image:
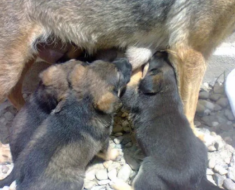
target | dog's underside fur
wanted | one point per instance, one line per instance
(191, 29)
(175, 158)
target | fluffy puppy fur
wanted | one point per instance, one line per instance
(60, 148)
(175, 158)
(52, 88)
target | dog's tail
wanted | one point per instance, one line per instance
(8, 180)
(207, 185)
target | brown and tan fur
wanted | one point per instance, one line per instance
(189, 29)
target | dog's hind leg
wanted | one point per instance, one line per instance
(190, 68)
(16, 96)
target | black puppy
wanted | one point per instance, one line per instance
(52, 88)
(59, 150)
(175, 158)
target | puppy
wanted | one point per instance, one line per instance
(52, 88)
(175, 158)
(60, 148)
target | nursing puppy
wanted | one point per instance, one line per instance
(59, 150)
(175, 158)
(52, 88)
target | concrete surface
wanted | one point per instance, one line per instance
(222, 60)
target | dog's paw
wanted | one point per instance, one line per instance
(5, 153)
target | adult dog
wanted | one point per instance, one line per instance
(191, 29)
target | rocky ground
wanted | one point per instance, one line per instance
(214, 119)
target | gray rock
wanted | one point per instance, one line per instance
(222, 102)
(206, 104)
(101, 174)
(219, 180)
(124, 172)
(98, 188)
(221, 170)
(212, 163)
(209, 178)
(209, 172)
(89, 184)
(104, 182)
(204, 95)
(118, 134)
(112, 174)
(215, 124)
(229, 115)
(211, 148)
(117, 129)
(219, 145)
(215, 97)
(132, 162)
(218, 89)
(217, 107)
(118, 140)
(229, 184)
(90, 175)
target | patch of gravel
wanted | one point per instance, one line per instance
(213, 118)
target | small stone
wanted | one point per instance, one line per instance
(229, 115)
(229, 184)
(117, 129)
(107, 164)
(125, 123)
(206, 104)
(197, 123)
(222, 102)
(215, 123)
(89, 184)
(219, 180)
(101, 175)
(215, 97)
(209, 178)
(104, 182)
(90, 175)
(112, 175)
(211, 148)
(115, 165)
(231, 173)
(204, 95)
(132, 162)
(98, 188)
(219, 145)
(118, 140)
(217, 107)
(209, 172)
(220, 170)
(127, 129)
(124, 173)
(218, 89)
(212, 163)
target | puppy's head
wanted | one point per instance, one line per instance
(102, 81)
(54, 80)
(160, 76)
(159, 80)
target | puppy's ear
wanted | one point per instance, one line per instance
(151, 84)
(52, 75)
(107, 103)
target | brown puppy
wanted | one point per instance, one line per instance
(191, 29)
(76, 130)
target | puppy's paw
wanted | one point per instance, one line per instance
(5, 153)
(119, 184)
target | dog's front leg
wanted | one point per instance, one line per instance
(190, 68)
